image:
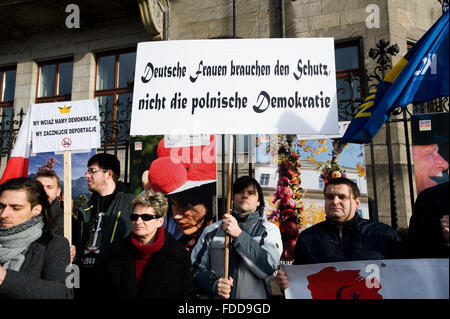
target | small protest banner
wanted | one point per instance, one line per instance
(65, 126)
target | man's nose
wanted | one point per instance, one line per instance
(4, 212)
(335, 199)
(441, 162)
(177, 214)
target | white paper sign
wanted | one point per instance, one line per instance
(171, 141)
(63, 126)
(371, 279)
(244, 86)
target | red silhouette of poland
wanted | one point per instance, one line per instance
(344, 284)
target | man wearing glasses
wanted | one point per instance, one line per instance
(101, 223)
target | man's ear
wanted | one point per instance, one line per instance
(36, 210)
(358, 202)
(110, 173)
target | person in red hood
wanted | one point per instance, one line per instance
(189, 181)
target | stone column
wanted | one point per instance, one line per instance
(26, 84)
(83, 79)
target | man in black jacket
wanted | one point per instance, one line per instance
(344, 236)
(52, 186)
(33, 259)
(104, 221)
(428, 227)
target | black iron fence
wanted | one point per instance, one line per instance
(347, 108)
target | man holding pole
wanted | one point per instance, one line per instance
(255, 248)
(104, 221)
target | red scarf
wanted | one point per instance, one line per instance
(144, 252)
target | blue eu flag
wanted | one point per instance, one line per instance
(421, 75)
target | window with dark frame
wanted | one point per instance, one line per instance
(54, 81)
(349, 77)
(114, 89)
(321, 183)
(7, 86)
(7, 90)
(264, 179)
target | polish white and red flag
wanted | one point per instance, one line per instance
(17, 165)
(371, 279)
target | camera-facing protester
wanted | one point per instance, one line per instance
(344, 235)
(150, 263)
(255, 248)
(33, 259)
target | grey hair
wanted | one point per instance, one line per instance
(155, 200)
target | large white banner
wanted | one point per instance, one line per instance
(372, 279)
(65, 126)
(245, 86)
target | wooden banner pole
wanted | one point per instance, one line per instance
(227, 237)
(68, 196)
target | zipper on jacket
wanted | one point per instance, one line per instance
(341, 244)
(82, 220)
(115, 226)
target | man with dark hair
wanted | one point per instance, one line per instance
(104, 221)
(344, 235)
(255, 248)
(52, 186)
(33, 259)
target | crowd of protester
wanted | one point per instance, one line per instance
(124, 250)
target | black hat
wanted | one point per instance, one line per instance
(203, 194)
(431, 129)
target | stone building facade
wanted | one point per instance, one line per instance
(34, 34)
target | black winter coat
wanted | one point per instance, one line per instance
(362, 239)
(425, 238)
(43, 273)
(58, 218)
(167, 274)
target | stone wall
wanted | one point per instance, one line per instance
(81, 44)
(207, 19)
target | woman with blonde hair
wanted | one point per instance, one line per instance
(150, 263)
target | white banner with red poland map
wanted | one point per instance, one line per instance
(371, 279)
